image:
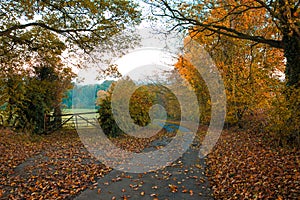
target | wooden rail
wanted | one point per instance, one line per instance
(50, 129)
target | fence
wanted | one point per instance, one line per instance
(73, 119)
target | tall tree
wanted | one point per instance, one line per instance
(250, 41)
(33, 36)
(279, 29)
(248, 68)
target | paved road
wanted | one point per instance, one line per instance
(185, 177)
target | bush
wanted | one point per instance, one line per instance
(139, 104)
(284, 117)
(106, 120)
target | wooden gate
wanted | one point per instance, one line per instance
(78, 119)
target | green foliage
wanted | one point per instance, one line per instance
(29, 94)
(13, 92)
(33, 36)
(83, 23)
(139, 104)
(106, 120)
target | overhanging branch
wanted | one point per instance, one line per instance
(194, 24)
(42, 25)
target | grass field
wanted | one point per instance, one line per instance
(78, 110)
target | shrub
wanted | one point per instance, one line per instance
(106, 120)
(284, 117)
(139, 104)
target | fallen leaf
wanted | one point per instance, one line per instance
(173, 188)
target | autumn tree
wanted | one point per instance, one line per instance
(193, 78)
(248, 41)
(247, 75)
(249, 70)
(279, 26)
(32, 90)
(33, 36)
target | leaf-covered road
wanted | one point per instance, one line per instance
(243, 165)
(58, 166)
(184, 179)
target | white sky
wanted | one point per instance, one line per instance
(146, 60)
(139, 64)
(143, 57)
(156, 53)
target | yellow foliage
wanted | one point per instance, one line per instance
(194, 80)
(284, 117)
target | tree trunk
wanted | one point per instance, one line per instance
(57, 116)
(292, 73)
(292, 54)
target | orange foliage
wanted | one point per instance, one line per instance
(248, 69)
(193, 79)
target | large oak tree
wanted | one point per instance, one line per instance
(281, 23)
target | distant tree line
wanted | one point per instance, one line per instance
(84, 96)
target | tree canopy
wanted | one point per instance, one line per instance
(33, 36)
(275, 23)
(82, 22)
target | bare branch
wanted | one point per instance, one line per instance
(43, 25)
(194, 24)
